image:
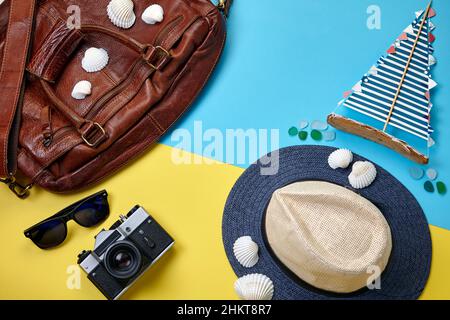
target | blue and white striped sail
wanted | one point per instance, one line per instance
(374, 95)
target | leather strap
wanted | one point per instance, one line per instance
(12, 74)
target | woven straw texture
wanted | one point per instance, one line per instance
(408, 267)
(327, 235)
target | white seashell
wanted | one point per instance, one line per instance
(121, 13)
(95, 59)
(363, 174)
(340, 159)
(254, 287)
(81, 90)
(246, 251)
(153, 14)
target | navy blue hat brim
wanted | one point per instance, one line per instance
(409, 264)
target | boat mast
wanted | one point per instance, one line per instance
(394, 102)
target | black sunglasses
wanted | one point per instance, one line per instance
(87, 212)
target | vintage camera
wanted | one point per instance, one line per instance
(124, 252)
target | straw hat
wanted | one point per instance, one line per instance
(318, 238)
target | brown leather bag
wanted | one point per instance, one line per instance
(154, 74)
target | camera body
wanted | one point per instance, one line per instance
(125, 252)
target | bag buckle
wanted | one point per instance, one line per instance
(94, 134)
(21, 191)
(224, 7)
(221, 5)
(156, 57)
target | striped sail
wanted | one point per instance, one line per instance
(382, 89)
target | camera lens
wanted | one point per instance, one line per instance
(123, 260)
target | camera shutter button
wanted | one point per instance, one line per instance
(150, 242)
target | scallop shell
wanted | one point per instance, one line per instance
(95, 59)
(246, 251)
(153, 14)
(340, 159)
(363, 174)
(81, 90)
(121, 13)
(254, 287)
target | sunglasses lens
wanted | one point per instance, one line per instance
(92, 212)
(49, 234)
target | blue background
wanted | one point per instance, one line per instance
(290, 60)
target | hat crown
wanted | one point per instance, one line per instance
(327, 235)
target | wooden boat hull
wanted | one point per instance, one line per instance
(378, 136)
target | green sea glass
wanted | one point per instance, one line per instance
(293, 131)
(441, 187)
(303, 135)
(428, 186)
(316, 135)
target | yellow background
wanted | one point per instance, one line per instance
(187, 200)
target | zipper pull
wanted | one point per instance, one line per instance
(47, 130)
(21, 191)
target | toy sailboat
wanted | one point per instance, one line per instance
(392, 100)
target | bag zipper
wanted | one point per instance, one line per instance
(60, 133)
(106, 98)
(57, 135)
(144, 149)
(111, 94)
(167, 29)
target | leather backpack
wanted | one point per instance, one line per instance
(154, 73)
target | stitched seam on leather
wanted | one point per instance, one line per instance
(53, 156)
(143, 147)
(48, 9)
(168, 42)
(75, 140)
(5, 54)
(103, 71)
(181, 74)
(7, 42)
(114, 87)
(43, 51)
(24, 153)
(156, 123)
(56, 56)
(59, 19)
(103, 117)
(169, 35)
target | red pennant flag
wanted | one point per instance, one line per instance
(431, 38)
(403, 36)
(427, 95)
(347, 93)
(391, 50)
(432, 13)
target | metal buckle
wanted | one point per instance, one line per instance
(221, 5)
(90, 134)
(158, 52)
(21, 191)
